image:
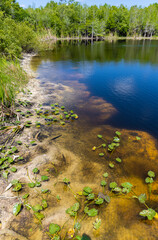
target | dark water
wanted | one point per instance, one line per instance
(124, 73)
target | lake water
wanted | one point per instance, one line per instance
(111, 86)
(123, 73)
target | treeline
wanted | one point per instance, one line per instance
(71, 19)
(20, 28)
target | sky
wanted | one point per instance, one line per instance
(128, 3)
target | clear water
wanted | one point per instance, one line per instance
(124, 73)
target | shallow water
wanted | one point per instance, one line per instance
(112, 86)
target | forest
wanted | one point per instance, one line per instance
(20, 28)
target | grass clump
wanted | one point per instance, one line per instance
(12, 79)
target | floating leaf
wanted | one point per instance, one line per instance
(127, 185)
(151, 174)
(97, 224)
(101, 154)
(37, 208)
(5, 174)
(17, 208)
(54, 228)
(142, 198)
(44, 190)
(111, 165)
(99, 201)
(13, 169)
(138, 138)
(103, 183)
(118, 133)
(73, 209)
(87, 191)
(150, 213)
(118, 160)
(103, 145)
(93, 212)
(17, 187)
(149, 180)
(39, 215)
(99, 136)
(77, 226)
(35, 170)
(58, 197)
(116, 139)
(31, 185)
(37, 184)
(105, 175)
(117, 189)
(44, 178)
(25, 196)
(91, 196)
(19, 142)
(66, 181)
(113, 185)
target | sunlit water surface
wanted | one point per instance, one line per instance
(111, 85)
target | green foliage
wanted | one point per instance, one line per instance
(12, 79)
(17, 208)
(54, 228)
(97, 224)
(150, 213)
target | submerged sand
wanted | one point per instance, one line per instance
(71, 156)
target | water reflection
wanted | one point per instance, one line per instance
(123, 73)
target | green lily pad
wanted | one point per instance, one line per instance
(138, 138)
(31, 185)
(91, 196)
(105, 175)
(151, 174)
(44, 190)
(149, 180)
(142, 198)
(113, 185)
(17, 187)
(99, 201)
(54, 228)
(77, 226)
(13, 169)
(35, 170)
(103, 183)
(17, 208)
(25, 196)
(87, 191)
(44, 203)
(118, 160)
(99, 136)
(39, 215)
(97, 224)
(150, 213)
(66, 181)
(5, 174)
(37, 208)
(44, 178)
(101, 154)
(111, 165)
(118, 133)
(92, 212)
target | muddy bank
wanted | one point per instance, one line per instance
(65, 151)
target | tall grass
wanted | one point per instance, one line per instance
(12, 80)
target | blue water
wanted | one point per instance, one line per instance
(124, 74)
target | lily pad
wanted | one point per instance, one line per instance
(111, 165)
(17, 208)
(87, 191)
(99, 201)
(31, 185)
(91, 196)
(99, 136)
(105, 175)
(142, 198)
(118, 160)
(44, 178)
(113, 185)
(37, 208)
(101, 154)
(25, 196)
(118, 133)
(13, 169)
(77, 226)
(92, 212)
(44, 203)
(39, 215)
(150, 213)
(35, 170)
(151, 174)
(149, 180)
(54, 228)
(66, 181)
(17, 187)
(97, 224)
(103, 183)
